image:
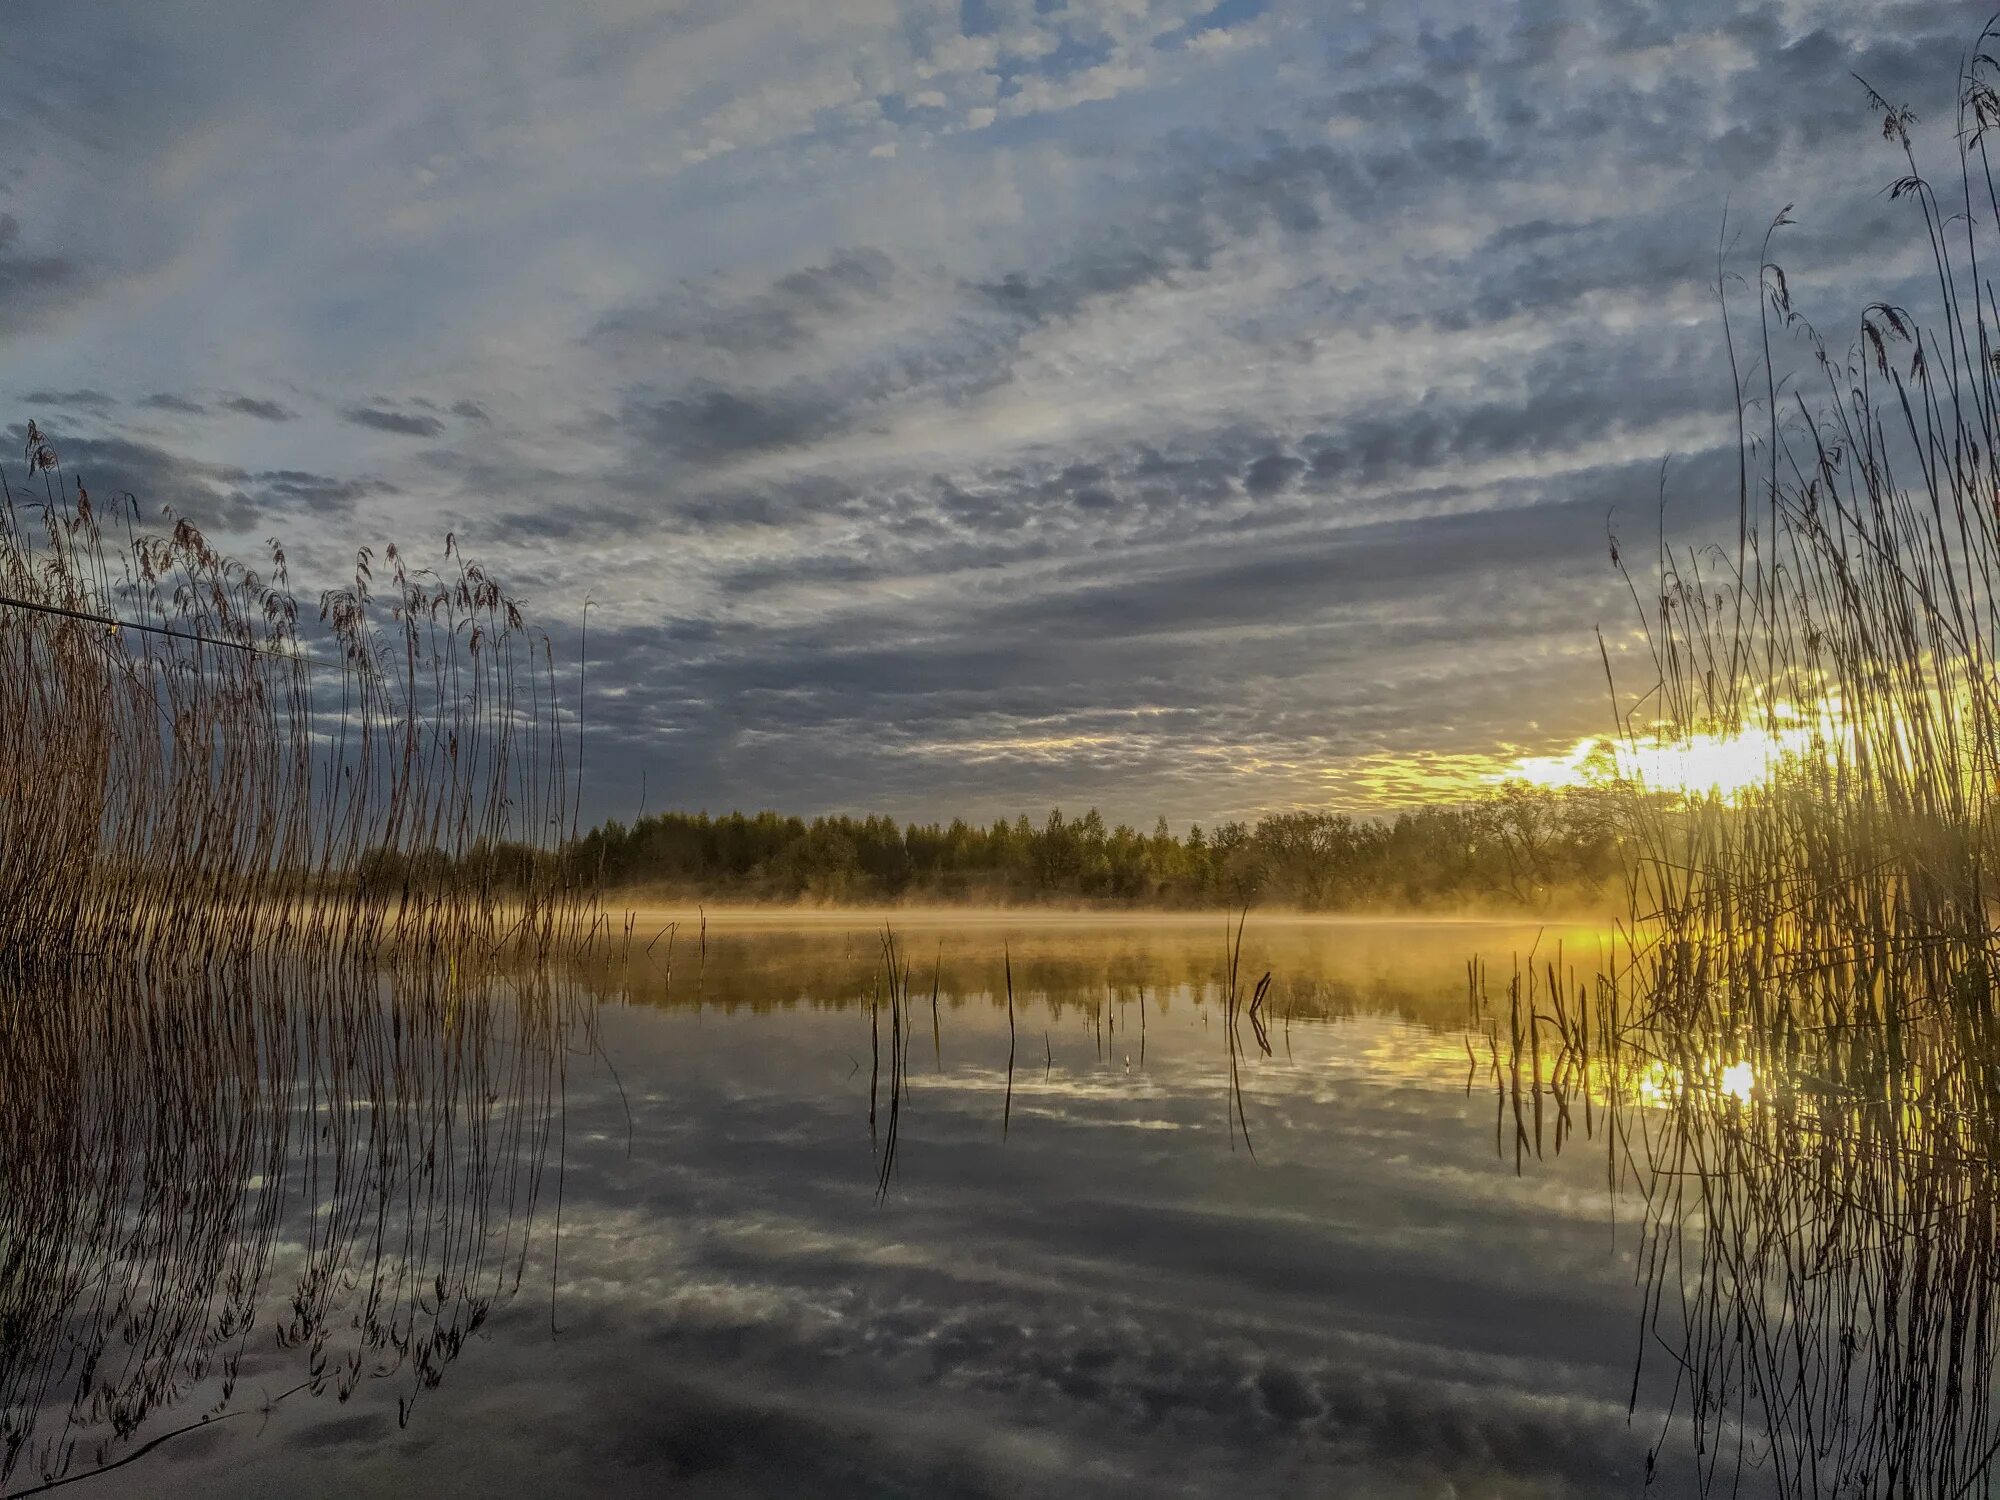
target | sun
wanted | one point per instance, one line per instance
(1723, 765)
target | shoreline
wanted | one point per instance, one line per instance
(775, 915)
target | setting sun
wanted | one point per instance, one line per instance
(1723, 765)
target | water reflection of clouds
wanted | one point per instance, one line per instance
(1108, 1302)
(1305, 1324)
(1149, 1390)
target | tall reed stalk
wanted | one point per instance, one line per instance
(207, 774)
(1799, 1035)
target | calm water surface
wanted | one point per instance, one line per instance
(1080, 1280)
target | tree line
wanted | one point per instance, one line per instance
(1519, 844)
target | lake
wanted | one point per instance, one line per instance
(742, 1211)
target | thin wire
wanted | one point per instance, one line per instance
(180, 635)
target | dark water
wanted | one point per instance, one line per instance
(624, 1232)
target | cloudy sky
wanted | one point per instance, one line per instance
(1174, 406)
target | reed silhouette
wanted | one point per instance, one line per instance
(1793, 1050)
(277, 904)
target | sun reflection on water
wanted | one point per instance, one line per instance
(1660, 1082)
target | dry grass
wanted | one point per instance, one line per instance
(262, 884)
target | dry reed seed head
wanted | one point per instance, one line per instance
(312, 817)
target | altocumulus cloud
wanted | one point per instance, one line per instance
(1175, 405)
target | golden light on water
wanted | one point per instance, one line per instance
(1660, 1082)
(1738, 1081)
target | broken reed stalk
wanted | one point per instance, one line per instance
(937, 1030)
(1233, 1109)
(1007, 1108)
(897, 978)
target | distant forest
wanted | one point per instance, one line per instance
(1519, 845)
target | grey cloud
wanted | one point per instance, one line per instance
(1149, 241)
(1246, 537)
(1072, 653)
(167, 401)
(222, 497)
(264, 411)
(154, 476)
(785, 316)
(383, 419)
(1272, 474)
(1274, 566)
(83, 400)
(1563, 406)
(317, 492)
(1212, 195)
(1100, 271)
(30, 283)
(715, 424)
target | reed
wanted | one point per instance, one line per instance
(896, 980)
(1232, 1013)
(1793, 1051)
(189, 769)
(1855, 621)
(196, 1159)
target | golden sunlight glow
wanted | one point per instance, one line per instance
(1722, 765)
(1659, 1082)
(1656, 1083)
(1738, 1081)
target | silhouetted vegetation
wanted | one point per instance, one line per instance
(1521, 844)
(1797, 1048)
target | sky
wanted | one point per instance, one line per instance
(1181, 408)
